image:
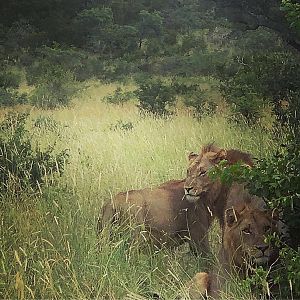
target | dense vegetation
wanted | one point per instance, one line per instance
(227, 71)
(71, 41)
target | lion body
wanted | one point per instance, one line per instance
(166, 214)
(246, 225)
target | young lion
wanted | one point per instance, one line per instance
(168, 217)
(246, 225)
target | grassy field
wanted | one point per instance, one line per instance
(48, 246)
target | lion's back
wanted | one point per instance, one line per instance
(157, 207)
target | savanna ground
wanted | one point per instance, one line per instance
(49, 248)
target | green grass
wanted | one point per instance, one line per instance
(49, 238)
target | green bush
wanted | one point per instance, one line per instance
(22, 35)
(200, 103)
(119, 96)
(155, 96)
(191, 43)
(9, 97)
(254, 84)
(9, 79)
(90, 67)
(117, 70)
(244, 100)
(194, 96)
(55, 87)
(69, 59)
(21, 165)
(197, 63)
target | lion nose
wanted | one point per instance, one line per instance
(188, 189)
(262, 248)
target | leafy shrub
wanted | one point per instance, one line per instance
(183, 87)
(22, 35)
(244, 99)
(192, 42)
(258, 283)
(21, 166)
(155, 97)
(55, 87)
(10, 97)
(117, 70)
(194, 96)
(200, 102)
(88, 68)
(67, 58)
(255, 84)
(119, 96)
(9, 79)
(202, 63)
(288, 277)
(201, 105)
(70, 59)
(292, 11)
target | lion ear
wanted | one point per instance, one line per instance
(209, 148)
(231, 216)
(222, 154)
(192, 156)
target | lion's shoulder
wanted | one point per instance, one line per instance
(173, 185)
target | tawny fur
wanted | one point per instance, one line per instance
(243, 212)
(164, 211)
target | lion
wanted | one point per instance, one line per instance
(164, 212)
(200, 187)
(247, 223)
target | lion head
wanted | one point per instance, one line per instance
(197, 182)
(245, 235)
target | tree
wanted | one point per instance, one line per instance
(254, 85)
(92, 26)
(155, 96)
(251, 14)
(292, 11)
(150, 25)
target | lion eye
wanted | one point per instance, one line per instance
(246, 230)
